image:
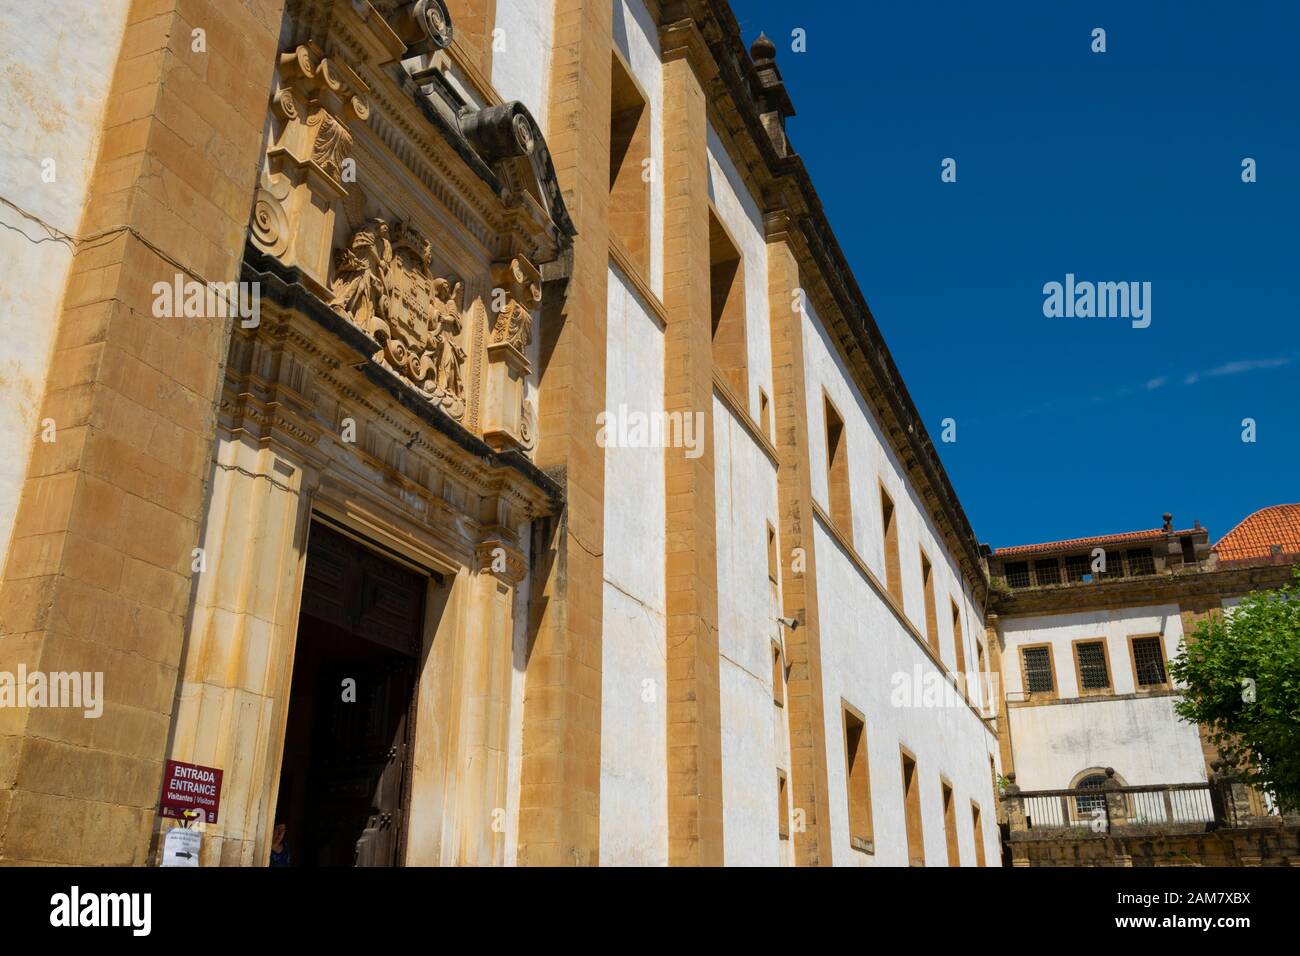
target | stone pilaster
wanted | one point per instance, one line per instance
(804, 696)
(482, 722)
(98, 577)
(559, 802)
(694, 705)
(233, 701)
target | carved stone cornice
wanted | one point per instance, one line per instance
(418, 119)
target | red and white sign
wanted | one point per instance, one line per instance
(187, 786)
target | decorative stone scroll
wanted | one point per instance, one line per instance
(307, 163)
(423, 25)
(508, 417)
(383, 284)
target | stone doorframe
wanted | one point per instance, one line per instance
(440, 503)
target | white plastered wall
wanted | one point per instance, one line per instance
(521, 69)
(867, 651)
(1141, 737)
(634, 670)
(755, 734)
(58, 64)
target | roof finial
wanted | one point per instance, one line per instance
(1169, 521)
(762, 50)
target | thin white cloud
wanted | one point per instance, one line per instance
(1237, 368)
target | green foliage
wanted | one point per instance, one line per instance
(1241, 674)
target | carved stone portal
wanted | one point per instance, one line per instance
(382, 283)
(508, 417)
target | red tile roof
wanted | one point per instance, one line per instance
(1254, 537)
(1070, 544)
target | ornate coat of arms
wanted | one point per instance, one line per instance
(382, 283)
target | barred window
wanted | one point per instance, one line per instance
(1141, 562)
(1090, 807)
(1038, 670)
(1018, 574)
(1047, 571)
(1148, 661)
(1114, 565)
(1077, 566)
(1093, 674)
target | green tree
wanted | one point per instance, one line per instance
(1241, 674)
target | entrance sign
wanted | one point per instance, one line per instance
(181, 847)
(188, 786)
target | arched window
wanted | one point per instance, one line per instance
(1088, 808)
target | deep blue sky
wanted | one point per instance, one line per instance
(1117, 166)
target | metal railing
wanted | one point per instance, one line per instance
(1100, 810)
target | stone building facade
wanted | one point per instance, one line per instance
(1085, 628)
(1100, 770)
(456, 422)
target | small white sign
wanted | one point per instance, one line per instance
(181, 847)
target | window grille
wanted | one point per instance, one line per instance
(1092, 666)
(1149, 661)
(1018, 574)
(1141, 562)
(1038, 670)
(1090, 807)
(1047, 571)
(1077, 566)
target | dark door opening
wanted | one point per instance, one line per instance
(344, 776)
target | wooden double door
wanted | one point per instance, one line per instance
(345, 777)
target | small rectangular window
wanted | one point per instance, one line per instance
(764, 415)
(912, 810)
(1149, 662)
(727, 295)
(959, 642)
(1093, 668)
(979, 833)
(1037, 662)
(1017, 573)
(837, 469)
(858, 781)
(950, 823)
(782, 806)
(778, 675)
(629, 147)
(931, 616)
(771, 554)
(889, 528)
